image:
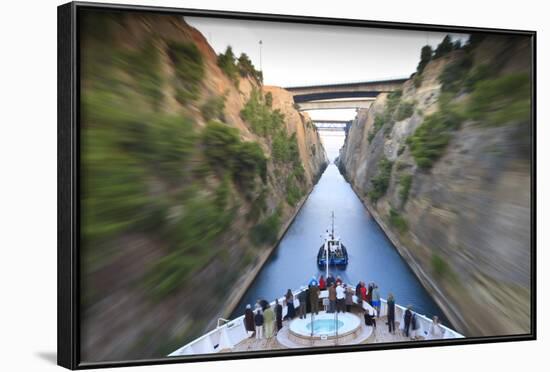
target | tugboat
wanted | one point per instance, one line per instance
(334, 249)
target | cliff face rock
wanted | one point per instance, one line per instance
(450, 183)
(185, 193)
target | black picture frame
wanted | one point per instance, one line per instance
(68, 319)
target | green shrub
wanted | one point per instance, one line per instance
(114, 191)
(284, 148)
(371, 136)
(430, 139)
(249, 162)
(189, 69)
(293, 191)
(213, 108)
(269, 99)
(502, 100)
(439, 266)
(405, 182)
(225, 151)
(397, 221)
(404, 110)
(226, 62)
(246, 68)
(392, 102)
(379, 121)
(425, 57)
(263, 121)
(381, 181)
(191, 239)
(258, 206)
(223, 192)
(267, 231)
(453, 75)
(220, 143)
(476, 74)
(171, 141)
(144, 64)
(444, 47)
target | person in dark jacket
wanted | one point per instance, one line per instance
(370, 319)
(259, 323)
(302, 297)
(358, 294)
(249, 320)
(278, 315)
(391, 313)
(369, 293)
(407, 318)
(330, 280)
(331, 299)
(314, 299)
(290, 310)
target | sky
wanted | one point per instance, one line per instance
(302, 54)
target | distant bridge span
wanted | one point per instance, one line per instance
(336, 104)
(345, 90)
(332, 125)
(333, 96)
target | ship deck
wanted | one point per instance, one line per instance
(380, 334)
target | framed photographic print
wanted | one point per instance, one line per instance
(235, 185)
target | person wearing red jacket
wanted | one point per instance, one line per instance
(363, 291)
(322, 283)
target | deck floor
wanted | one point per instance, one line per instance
(380, 334)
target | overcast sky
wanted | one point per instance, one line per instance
(301, 54)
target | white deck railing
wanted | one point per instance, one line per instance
(226, 336)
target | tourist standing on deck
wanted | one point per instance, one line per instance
(407, 320)
(314, 299)
(302, 297)
(376, 299)
(416, 327)
(436, 331)
(358, 294)
(331, 299)
(290, 311)
(363, 292)
(340, 298)
(369, 293)
(322, 283)
(313, 281)
(349, 298)
(259, 322)
(278, 315)
(249, 319)
(330, 280)
(269, 317)
(391, 313)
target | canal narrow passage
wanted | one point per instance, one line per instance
(372, 257)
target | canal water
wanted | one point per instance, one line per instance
(372, 257)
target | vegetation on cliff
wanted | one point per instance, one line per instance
(491, 100)
(456, 200)
(176, 185)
